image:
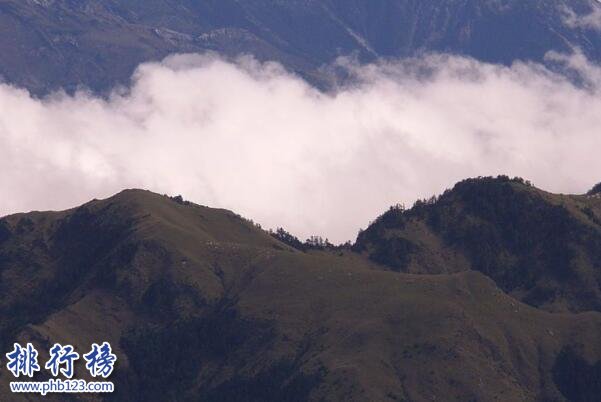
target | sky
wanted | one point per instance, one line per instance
(256, 139)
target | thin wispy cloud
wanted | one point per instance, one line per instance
(256, 139)
(590, 20)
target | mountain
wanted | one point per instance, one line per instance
(542, 248)
(201, 304)
(50, 44)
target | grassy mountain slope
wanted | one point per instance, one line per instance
(544, 249)
(202, 305)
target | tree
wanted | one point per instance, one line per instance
(595, 190)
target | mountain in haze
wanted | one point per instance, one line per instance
(50, 44)
(201, 304)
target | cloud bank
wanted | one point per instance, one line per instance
(256, 139)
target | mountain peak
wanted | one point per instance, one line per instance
(532, 243)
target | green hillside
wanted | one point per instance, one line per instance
(542, 248)
(200, 304)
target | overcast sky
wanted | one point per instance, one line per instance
(256, 139)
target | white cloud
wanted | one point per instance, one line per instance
(592, 20)
(253, 138)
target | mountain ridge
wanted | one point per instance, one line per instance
(533, 243)
(246, 317)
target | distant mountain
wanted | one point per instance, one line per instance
(199, 304)
(542, 248)
(49, 44)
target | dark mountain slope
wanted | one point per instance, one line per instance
(202, 305)
(544, 249)
(47, 44)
